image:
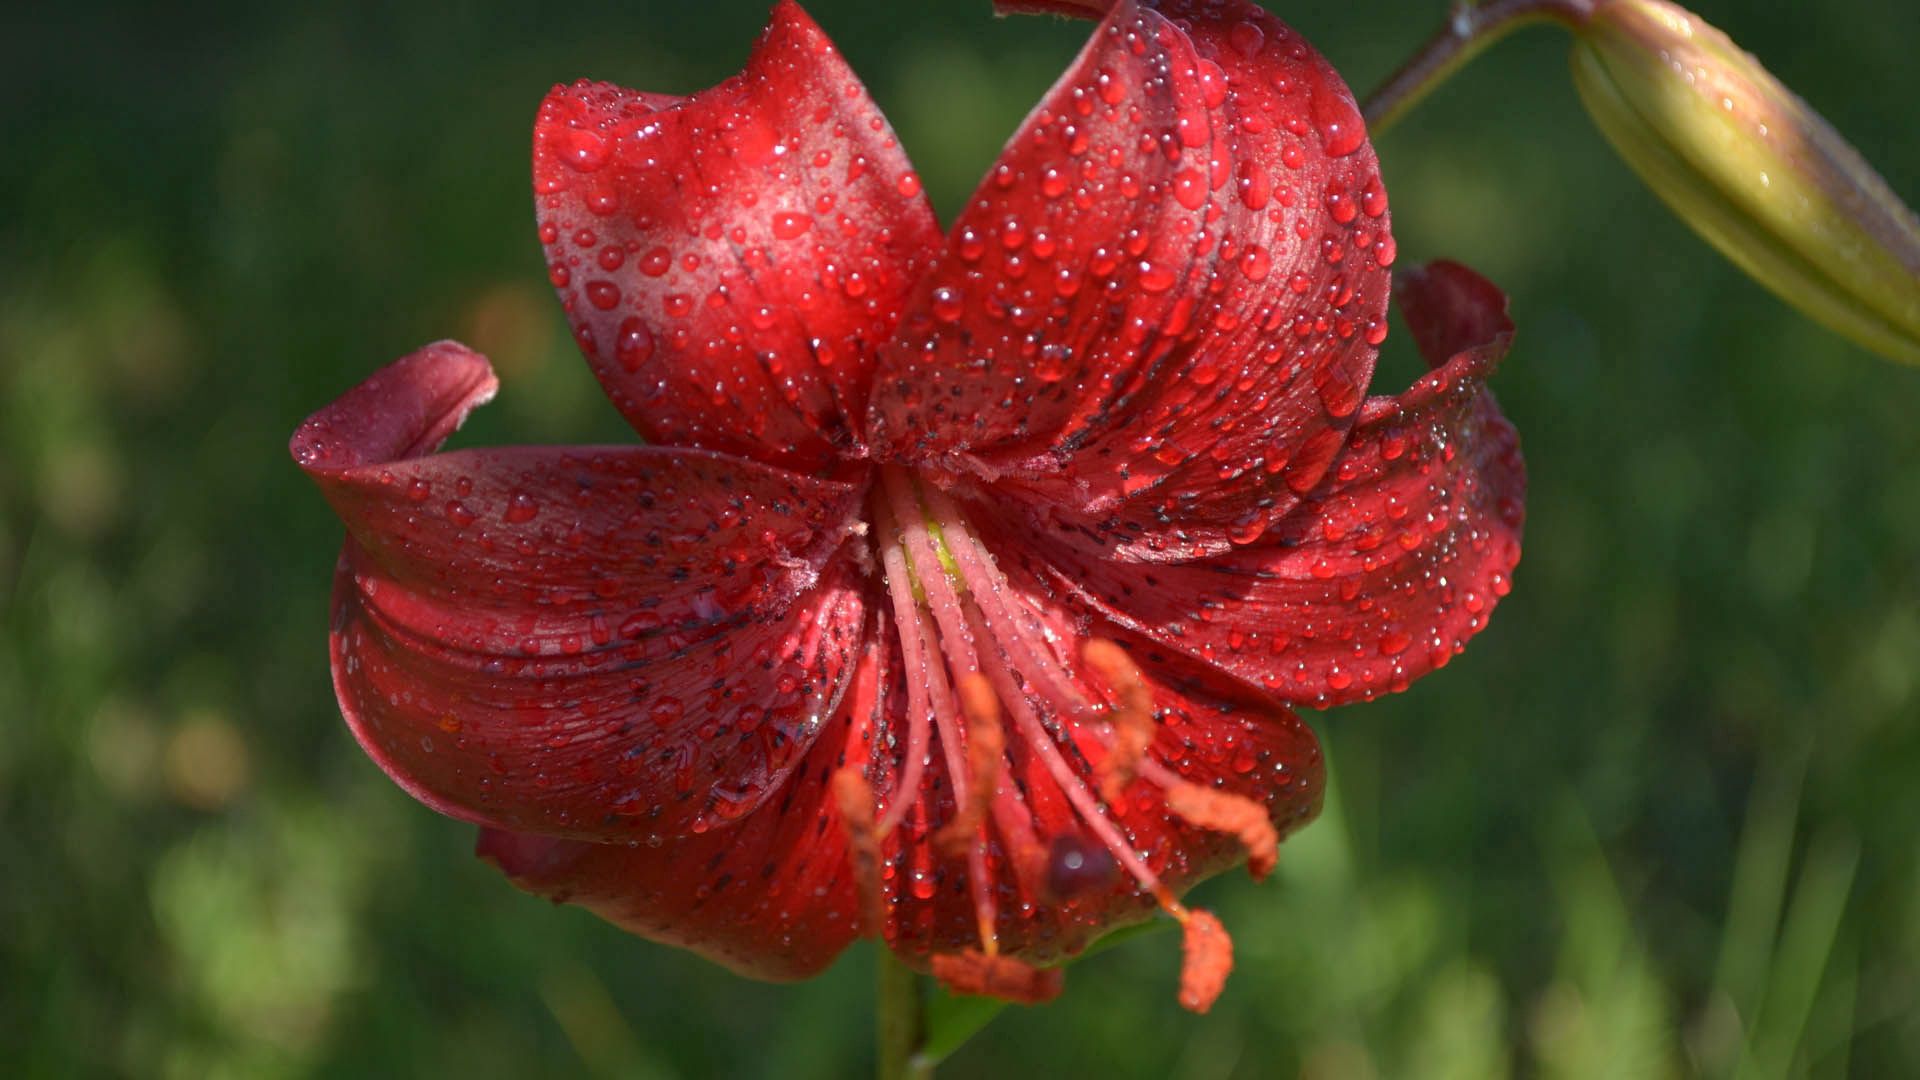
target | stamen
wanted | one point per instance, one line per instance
(1014, 821)
(913, 648)
(854, 797)
(986, 749)
(1003, 977)
(1236, 815)
(956, 646)
(959, 615)
(1001, 616)
(1078, 794)
(1206, 960)
(1132, 718)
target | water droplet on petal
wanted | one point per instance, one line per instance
(635, 344)
(1247, 39)
(1190, 188)
(1155, 278)
(1338, 121)
(604, 295)
(787, 225)
(947, 303)
(586, 151)
(521, 509)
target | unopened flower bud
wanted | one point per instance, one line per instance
(1753, 169)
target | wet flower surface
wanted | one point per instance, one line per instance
(963, 585)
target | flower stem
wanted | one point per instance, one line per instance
(1469, 30)
(900, 1018)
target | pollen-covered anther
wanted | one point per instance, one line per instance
(972, 972)
(1236, 815)
(986, 748)
(1206, 960)
(853, 795)
(1131, 715)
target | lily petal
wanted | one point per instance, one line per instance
(1165, 301)
(730, 260)
(599, 643)
(1388, 566)
(773, 897)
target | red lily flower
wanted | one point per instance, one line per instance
(963, 585)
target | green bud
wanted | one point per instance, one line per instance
(1753, 169)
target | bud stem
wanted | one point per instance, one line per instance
(1468, 31)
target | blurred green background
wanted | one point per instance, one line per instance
(1660, 819)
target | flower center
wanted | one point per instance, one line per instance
(988, 675)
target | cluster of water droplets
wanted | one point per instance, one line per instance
(1380, 575)
(1177, 273)
(730, 261)
(577, 624)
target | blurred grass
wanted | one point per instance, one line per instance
(1660, 819)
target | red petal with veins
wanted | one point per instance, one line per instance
(772, 897)
(730, 260)
(1388, 566)
(1161, 309)
(601, 643)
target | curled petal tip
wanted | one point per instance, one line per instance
(406, 409)
(1753, 169)
(1451, 309)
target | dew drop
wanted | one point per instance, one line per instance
(972, 245)
(521, 509)
(1247, 39)
(586, 151)
(1340, 206)
(1373, 198)
(947, 303)
(1338, 121)
(1051, 366)
(604, 295)
(1213, 84)
(634, 346)
(1190, 188)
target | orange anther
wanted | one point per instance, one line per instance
(986, 745)
(854, 798)
(1236, 815)
(971, 972)
(1206, 960)
(1131, 716)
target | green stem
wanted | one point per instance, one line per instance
(900, 1018)
(1469, 30)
